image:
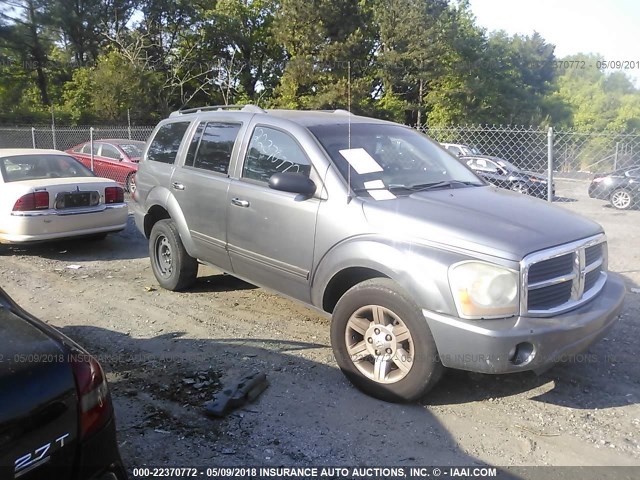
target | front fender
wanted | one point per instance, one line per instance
(420, 270)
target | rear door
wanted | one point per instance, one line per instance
(159, 159)
(271, 233)
(201, 184)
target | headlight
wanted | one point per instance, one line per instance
(484, 290)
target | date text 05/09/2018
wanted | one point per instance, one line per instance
(317, 472)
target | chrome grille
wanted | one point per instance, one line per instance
(564, 277)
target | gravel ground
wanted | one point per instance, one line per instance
(167, 353)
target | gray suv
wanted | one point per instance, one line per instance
(421, 264)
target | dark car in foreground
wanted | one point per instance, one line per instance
(621, 188)
(56, 416)
(115, 158)
(503, 174)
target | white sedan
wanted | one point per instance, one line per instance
(48, 194)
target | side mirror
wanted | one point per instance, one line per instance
(292, 182)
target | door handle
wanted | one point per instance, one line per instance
(239, 203)
(177, 186)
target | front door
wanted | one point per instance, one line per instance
(271, 233)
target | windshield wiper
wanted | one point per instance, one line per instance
(421, 187)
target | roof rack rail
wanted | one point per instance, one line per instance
(209, 108)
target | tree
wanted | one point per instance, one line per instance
(24, 34)
(241, 34)
(329, 47)
(598, 101)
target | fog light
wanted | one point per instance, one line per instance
(522, 354)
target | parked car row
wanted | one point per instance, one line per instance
(620, 187)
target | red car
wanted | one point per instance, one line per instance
(115, 158)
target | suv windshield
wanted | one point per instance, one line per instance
(390, 157)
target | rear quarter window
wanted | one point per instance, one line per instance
(165, 145)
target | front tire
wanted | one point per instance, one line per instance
(382, 342)
(621, 199)
(172, 266)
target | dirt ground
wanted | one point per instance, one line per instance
(167, 353)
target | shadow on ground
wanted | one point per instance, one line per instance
(306, 404)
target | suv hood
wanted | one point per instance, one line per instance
(480, 219)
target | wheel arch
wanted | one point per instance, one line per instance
(421, 273)
(343, 281)
(169, 209)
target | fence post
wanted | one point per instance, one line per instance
(129, 122)
(53, 128)
(615, 159)
(91, 145)
(33, 136)
(550, 164)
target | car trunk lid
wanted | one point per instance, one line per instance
(38, 405)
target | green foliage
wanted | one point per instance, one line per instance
(412, 61)
(598, 101)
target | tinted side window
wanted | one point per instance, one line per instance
(212, 145)
(272, 151)
(166, 143)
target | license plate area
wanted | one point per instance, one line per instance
(67, 200)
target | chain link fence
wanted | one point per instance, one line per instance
(514, 157)
(115, 148)
(64, 138)
(518, 158)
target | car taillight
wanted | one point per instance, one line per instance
(94, 401)
(32, 201)
(113, 195)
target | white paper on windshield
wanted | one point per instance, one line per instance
(381, 194)
(373, 184)
(360, 160)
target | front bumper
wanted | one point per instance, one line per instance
(487, 346)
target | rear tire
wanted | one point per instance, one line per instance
(172, 266)
(621, 199)
(382, 342)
